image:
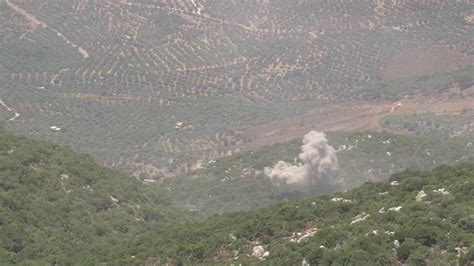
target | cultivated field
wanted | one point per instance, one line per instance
(157, 86)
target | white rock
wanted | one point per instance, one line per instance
(304, 263)
(359, 218)
(115, 200)
(461, 250)
(236, 254)
(297, 237)
(420, 195)
(307, 234)
(394, 183)
(396, 243)
(442, 191)
(396, 209)
(341, 199)
(259, 252)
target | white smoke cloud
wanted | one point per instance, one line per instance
(317, 157)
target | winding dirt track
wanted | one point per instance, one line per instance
(353, 116)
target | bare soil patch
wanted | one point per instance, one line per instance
(352, 116)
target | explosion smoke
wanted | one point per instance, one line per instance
(317, 157)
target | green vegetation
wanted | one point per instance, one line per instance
(426, 85)
(417, 232)
(237, 182)
(157, 87)
(58, 207)
(132, 135)
(428, 124)
(117, 85)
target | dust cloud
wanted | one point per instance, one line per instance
(317, 159)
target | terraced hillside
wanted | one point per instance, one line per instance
(156, 86)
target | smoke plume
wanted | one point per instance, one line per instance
(317, 159)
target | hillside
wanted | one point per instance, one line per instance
(417, 218)
(153, 87)
(238, 182)
(59, 207)
(200, 132)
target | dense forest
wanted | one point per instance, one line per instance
(59, 207)
(418, 218)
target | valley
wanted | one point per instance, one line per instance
(117, 77)
(256, 132)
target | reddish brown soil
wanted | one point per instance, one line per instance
(353, 116)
